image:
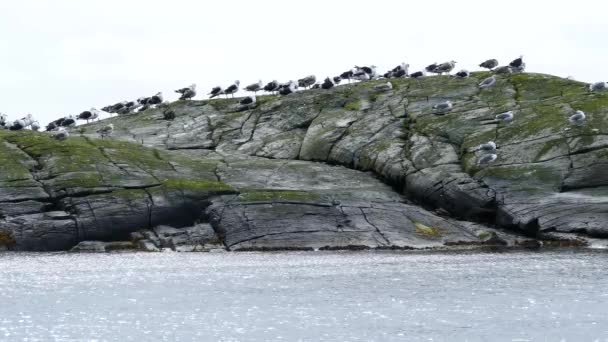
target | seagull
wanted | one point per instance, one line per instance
(347, 75)
(431, 68)
(399, 73)
(248, 101)
(233, 88)
(61, 134)
(401, 70)
(131, 106)
(17, 125)
(445, 67)
(272, 86)
(365, 73)
(216, 91)
(22, 123)
(598, 86)
(68, 121)
(578, 117)
(519, 69)
(106, 130)
(91, 114)
(489, 64)
(518, 62)
(384, 86)
(288, 88)
(154, 100)
(490, 146)
(506, 117)
(417, 74)
(462, 74)
(53, 125)
(255, 87)
(503, 70)
(488, 82)
(115, 107)
(307, 81)
(487, 159)
(362, 73)
(3, 119)
(187, 93)
(328, 83)
(443, 107)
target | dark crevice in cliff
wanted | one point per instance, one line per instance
(386, 240)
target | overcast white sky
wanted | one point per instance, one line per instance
(60, 57)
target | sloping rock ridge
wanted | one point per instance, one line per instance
(321, 169)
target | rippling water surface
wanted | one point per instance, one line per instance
(560, 296)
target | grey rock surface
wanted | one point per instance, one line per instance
(340, 168)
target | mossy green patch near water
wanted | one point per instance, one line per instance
(426, 231)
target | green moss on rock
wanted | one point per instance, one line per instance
(197, 185)
(353, 105)
(426, 231)
(278, 195)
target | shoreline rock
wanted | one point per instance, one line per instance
(321, 169)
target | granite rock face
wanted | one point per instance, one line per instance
(342, 168)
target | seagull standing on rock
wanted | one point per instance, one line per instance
(69, 121)
(328, 83)
(487, 159)
(445, 67)
(216, 91)
(384, 86)
(156, 99)
(462, 74)
(89, 115)
(3, 119)
(255, 87)
(578, 118)
(233, 88)
(187, 93)
(488, 82)
(490, 146)
(506, 117)
(307, 81)
(53, 125)
(271, 87)
(288, 88)
(401, 70)
(248, 100)
(505, 69)
(431, 68)
(347, 75)
(418, 74)
(489, 64)
(443, 107)
(365, 73)
(598, 86)
(517, 63)
(61, 134)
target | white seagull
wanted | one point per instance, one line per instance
(488, 82)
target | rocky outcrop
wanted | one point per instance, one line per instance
(344, 168)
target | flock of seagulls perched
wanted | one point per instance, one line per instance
(59, 127)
